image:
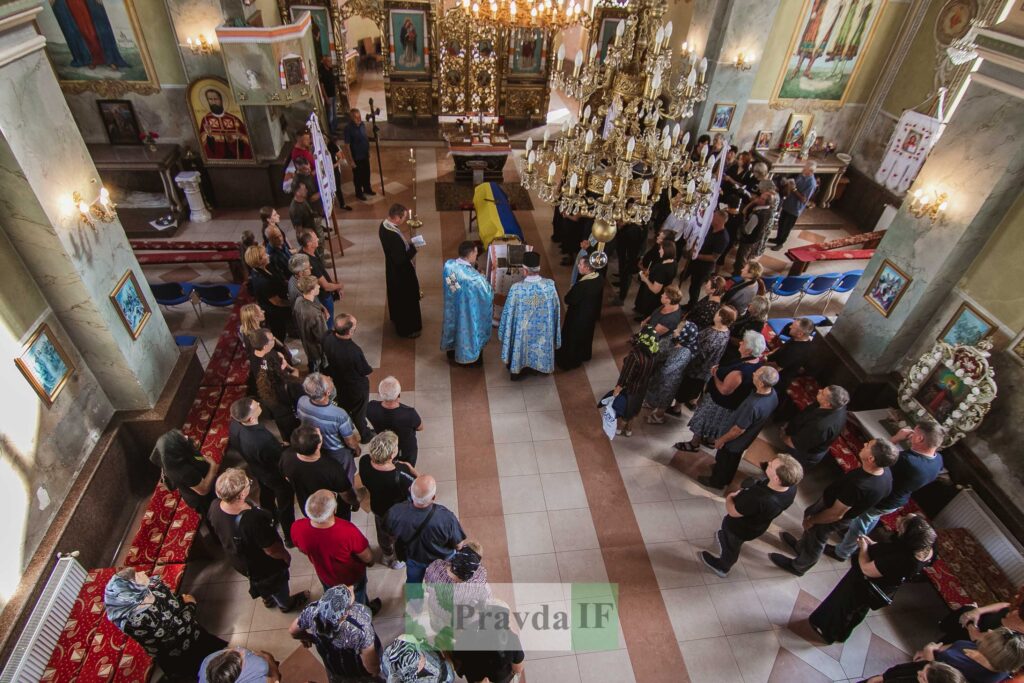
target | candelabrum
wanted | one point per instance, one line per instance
(624, 150)
(414, 222)
(550, 15)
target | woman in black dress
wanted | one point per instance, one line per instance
(655, 278)
(163, 623)
(877, 572)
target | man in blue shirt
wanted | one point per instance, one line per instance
(795, 203)
(916, 467)
(357, 146)
(317, 409)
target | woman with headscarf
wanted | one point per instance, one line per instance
(876, 573)
(636, 373)
(340, 629)
(410, 660)
(163, 623)
(490, 653)
(459, 580)
(665, 383)
(726, 390)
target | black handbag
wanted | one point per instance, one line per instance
(877, 596)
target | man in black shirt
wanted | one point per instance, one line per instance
(426, 530)
(750, 511)
(347, 366)
(919, 464)
(309, 246)
(702, 265)
(810, 433)
(262, 453)
(390, 414)
(248, 536)
(857, 491)
(791, 359)
(308, 472)
(752, 415)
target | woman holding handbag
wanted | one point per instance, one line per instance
(636, 373)
(878, 570)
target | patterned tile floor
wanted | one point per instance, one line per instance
(528, 469)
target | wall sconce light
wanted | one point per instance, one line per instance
(200, 45)
(928, 203)
(101, 209)
(741, 63)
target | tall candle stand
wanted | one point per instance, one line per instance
(414, 222)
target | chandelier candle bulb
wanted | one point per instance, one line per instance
(561, 53)
(586, 114)
(668, 34)
(691, 189)
(675, 134)
(529, 161)
(577, 64)
(659, 38)
(552, 169)
(593, 52)
(702, 69)
(630, 147)
(686, 137)
(666, 147)
(104, 197)
(620, 31)
(529, 144)
(573, 182)
(608, 185)
(691, 79)
(645, 190)
(588, 141)
(544, 145)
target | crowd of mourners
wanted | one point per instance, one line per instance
(332, 447)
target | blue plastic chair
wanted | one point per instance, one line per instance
(821, 284)
(171, 293)
(791, 285)
(187, 340)
(219, 296)
(846, 283)
(770, 281)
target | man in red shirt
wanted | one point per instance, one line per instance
(338, 550)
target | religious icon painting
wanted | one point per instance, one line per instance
(967, 327)
(887, 288)
(797, 128)
(1017, 345)
(826, 51)
(954, 21)
(942, 392)
(528, 54)
(130, 304)
(292, 71)
(323, 35)
(721, 117)
(219, 123)
(763, 141)
(119, 121)
(45, 364)
(408, 40)
(97, 45)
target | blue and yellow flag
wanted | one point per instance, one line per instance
(493, 214)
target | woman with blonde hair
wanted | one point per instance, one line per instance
(270, 290)
(388, 481)
(251, 318)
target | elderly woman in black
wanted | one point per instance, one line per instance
(163, 623)
(878, 570)
(636, 372)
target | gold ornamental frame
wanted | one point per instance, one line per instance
(47, 395)
(129, 276)
(107, 88)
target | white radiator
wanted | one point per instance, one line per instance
(36, 642)
(968, 512)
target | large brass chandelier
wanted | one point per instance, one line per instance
(613, 162)
(551, 15)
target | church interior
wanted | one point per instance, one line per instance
(760, 224)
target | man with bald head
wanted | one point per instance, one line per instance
(424, 531)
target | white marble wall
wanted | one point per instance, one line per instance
(42, 161)
(979, 162)
(165, 113)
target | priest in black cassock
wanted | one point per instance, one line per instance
(584, 301)
(400, 272)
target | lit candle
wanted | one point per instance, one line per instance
(552, 168)
(630, 146)
(686, 137)
(529, 144)
(577, 63)
(104, 197)
(703, 154)
(512, 8)
(656, 83)
(561, 50)
(675, 133)
(666, 131)
(668, 33)
(83, 208)
(702, 68)
(666, 146)
(593, 52)
(586, 113)
(529, 161)
(412, 153)
(645, 189)
(691, 79)
(686, 48)
(620, 31)
(659, 38)
(691, 189)
(588, 141)
(573, 182)
(545, 145)
(608, 183)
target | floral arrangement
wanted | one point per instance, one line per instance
(149, 137)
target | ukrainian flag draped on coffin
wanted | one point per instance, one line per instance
(493, 214)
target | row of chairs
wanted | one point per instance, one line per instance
(171, 294)
(780, 286)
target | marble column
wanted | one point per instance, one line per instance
(43, 160)
(979, 163)
(720, 30)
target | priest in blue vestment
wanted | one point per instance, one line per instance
(468, 307)
(529, 329)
